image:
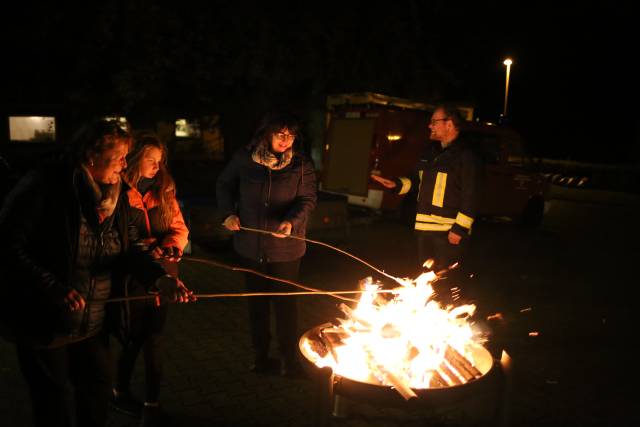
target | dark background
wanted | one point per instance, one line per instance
(573, 95)
(573, 90)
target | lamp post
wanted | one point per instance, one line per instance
(508, 63)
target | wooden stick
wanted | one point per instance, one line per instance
(234, 294)
(437, 380)
(457, 367)
(318, 345)
(335, 331)
(290, 236)
(257, 273)
(327, 342)
(453, 378)
(400, 386)
(349, 312)
(453, 354)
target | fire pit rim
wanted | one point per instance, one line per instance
(486, 371)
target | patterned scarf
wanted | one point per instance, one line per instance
(263, 156)
(105, 197)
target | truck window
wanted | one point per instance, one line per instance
(350, 142)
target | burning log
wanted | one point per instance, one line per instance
(380, 371)
(380, 300)
(317, 345)
(333, 337)
(450, 377)
(412, 353)
(404, 390)
(437, 380)
(328, 344)
(460, 363)
(349, 312)
(457, 368)
(371, 342)
(339, 334)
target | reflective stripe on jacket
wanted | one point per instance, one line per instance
(446, 186)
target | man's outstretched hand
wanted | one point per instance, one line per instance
(383, 181)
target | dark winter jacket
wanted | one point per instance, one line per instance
(446, 184)
(263, 198)
(51, 245)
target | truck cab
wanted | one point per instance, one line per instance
(512, 186)
(376, 134)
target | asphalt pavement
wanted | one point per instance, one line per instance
(562, 292)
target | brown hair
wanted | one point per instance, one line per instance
(164, 189)
(273, 122)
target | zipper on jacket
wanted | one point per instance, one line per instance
(146, 217)
(261, 255)
(92, 283)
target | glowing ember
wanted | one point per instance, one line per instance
(407, 340)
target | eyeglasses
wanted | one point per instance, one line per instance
(434, 121)
(285, 136)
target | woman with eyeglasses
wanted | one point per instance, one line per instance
(270, 185)
(68, 242)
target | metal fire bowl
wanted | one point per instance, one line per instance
(386, 395)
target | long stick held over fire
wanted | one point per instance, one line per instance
(308, 290)
(245, 294)
(267, 276)
(290, 236)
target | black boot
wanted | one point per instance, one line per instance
(262, 365)
(290, 367)
(150, 416)
(126, 403)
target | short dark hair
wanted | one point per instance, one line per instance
(452, 112)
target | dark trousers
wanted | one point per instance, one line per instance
(147, 334)
(69, 385)
(284, 307)
(149, 338)
(435, 245)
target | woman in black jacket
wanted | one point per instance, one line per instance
(270, 185)
(67, 245)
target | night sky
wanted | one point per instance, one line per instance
(573, 91)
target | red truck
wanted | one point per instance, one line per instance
(372, 133)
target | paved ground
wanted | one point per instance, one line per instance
(574, 274)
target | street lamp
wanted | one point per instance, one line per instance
(508, 63)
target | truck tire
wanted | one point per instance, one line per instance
(533, 213)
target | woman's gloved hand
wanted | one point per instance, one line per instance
(232, 223)
(74, 301)
(60, 295)
(284, 230)
(171, 289)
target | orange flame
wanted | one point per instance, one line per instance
(402, 338)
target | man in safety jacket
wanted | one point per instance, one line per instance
(446, 184)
